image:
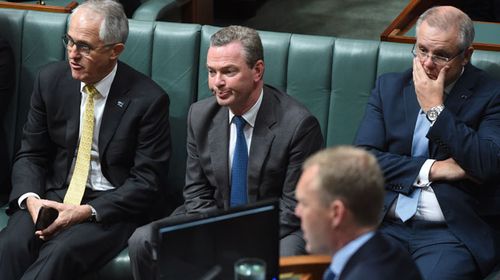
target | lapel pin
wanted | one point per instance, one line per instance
(120, 104)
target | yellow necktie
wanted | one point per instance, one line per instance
(80, 173)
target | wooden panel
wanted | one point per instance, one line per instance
(39, 7)
(405, 21)
(308, 267)
(198, 11)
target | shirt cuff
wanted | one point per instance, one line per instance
(21, 201)
(423, 176)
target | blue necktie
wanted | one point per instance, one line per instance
(406, 206)
(329, 274)
(240, 163)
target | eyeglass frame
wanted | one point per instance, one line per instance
(436, 59)
(82, 48)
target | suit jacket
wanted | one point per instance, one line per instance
(7, 79)
(134, 140)
(285, 134)
(380, 259)
(468, 130)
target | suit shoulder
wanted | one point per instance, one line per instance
(394, 77)
(53, 68)
(287, 105)
(485, 80)
(138, 80)
(381, 259)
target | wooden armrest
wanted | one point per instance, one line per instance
(311, 265)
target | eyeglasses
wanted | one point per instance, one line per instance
(436, 59)
(82, 48)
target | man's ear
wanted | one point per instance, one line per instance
(467, 55)
(337, 211)
(258, 70)
(117, 50)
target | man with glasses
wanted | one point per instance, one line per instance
(435, 130)
(93, 157)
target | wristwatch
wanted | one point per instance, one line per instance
(433, 113)
(93, 215)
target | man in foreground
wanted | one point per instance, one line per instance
(340, 196)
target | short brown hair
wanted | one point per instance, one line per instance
(248, 37)
(353, 176)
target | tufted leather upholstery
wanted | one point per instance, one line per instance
(332, 76)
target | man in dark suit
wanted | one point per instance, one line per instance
(435, 130)
(340, 195)
(7, 79)
(278, 134)
(124, 133)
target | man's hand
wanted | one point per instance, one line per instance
(68, 215)
(430, 93)
(447, 170)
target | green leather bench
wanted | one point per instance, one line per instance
(333, 77)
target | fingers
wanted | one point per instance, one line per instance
(51, 204)
(442, 75)
(49, 231)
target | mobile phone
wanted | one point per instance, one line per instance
(46, 216)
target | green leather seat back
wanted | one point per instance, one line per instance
(352, 78)
(309, 73)
(488, 61)
(394, 57)
(206, 32)
(276, 56)
(175, 68)
(40, 44)
(139, 45)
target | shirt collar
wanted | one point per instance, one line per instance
(251, 115)
(104, 85)
(343, 255)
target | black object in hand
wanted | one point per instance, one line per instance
(46, 216)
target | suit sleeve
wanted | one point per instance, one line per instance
(399, 167)
(30, 165)
(198, 193)
(473, 144)
(306, 140)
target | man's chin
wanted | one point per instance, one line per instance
(223, 101)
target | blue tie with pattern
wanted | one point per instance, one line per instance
(240, 163)
(406, 206)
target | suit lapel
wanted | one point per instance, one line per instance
(116, 105)
(462, 90)
(412, 108)
(218, 141)
(456, 99)
(262, 139)
(72, 100)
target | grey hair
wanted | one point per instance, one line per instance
(441, 17)
(114, 27)
(248, 37)
(353, 176)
